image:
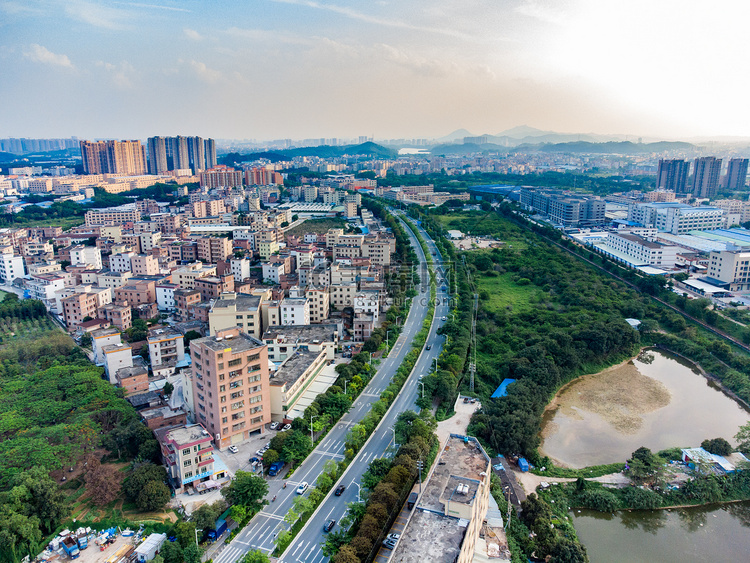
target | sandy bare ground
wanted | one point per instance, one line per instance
(619, 394)
(530, 482)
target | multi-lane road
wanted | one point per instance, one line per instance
(261, 532)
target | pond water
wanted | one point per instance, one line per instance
(713, 533)
(655, 400)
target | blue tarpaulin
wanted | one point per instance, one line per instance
(502, 391)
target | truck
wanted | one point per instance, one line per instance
(83, 541)
(219, 528)
(523, 465)
(275, 467)
(70, 545)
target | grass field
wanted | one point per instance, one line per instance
(319, 226)
(479, 223)
(11, 329)
(504, 292)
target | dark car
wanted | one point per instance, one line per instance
(339, 490)
(329, 525)
(429, 346)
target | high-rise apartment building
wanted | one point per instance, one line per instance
(113, 157)
(706, 174)
(736, 174)
(231, 385)
(210, 148)
(176, 153)
(157, 155)
(672, 175)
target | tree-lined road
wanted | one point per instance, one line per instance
(263, 528)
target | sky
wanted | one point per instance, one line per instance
(273, 69)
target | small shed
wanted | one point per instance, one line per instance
(150, 547)
(523, 464)
(502, 391)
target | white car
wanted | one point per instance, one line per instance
(274, 425)
(302, 488)
(286, 427)
(233, 449)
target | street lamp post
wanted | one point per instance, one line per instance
(386, 339)
(436, 366)
(345, 381)
(312, 441)
(393, 429)
(196, 536)
(420, 465)
(422, 384)
(358, 490)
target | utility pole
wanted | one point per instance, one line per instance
(312, 441)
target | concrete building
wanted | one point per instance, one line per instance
(116, 356)
(272, 272)
(233, 309)
(112, 216)
(705, 179)
(675, 218)
(165, 296)
(565, 208)
(78, 307)
(320, 304)
(230, 385)
(11, 267)
(342, 295)
(113, 157)
(240, 269)
(283, 341)
(295, 311)
(185, 300)
(86, 256)
(736, 175)
(166, 349)
(188, 455)
(133, 380)
(186, 275)
(731, 269)
(120, 316)
(214, 249)
(367, 301)
(292, 379)
(672, 175)
(454, 510)
(101, 338)
(638, 251)
(144, 265)
(211, 287)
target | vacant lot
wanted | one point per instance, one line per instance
(504, 292)
(319, 226)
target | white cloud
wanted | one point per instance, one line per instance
(205, 73)
(192, 34)
(95, 14)
(40, 54)
(121, 75)
(152, 6)
(548, 12)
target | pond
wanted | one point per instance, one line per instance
(655, 400)
(712, 533)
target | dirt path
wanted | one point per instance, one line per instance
(530, 481)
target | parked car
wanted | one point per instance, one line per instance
(389, 544)
(302, 488)
(286, 427)
(393, 537)
(274, 425)
(234, 449)
(329, 525)
(339, 490)
(255, 460)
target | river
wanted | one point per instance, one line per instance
(655, 400)
(712, 533)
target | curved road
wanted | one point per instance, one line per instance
(261, 531)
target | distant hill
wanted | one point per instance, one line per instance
(457, 135)
(523, 131)
(622, 147)
(468, 148)
(7, 157)
(325, 151)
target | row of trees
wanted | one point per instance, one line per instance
(388, 482)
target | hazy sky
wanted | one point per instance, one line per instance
(269, 69)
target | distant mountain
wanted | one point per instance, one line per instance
(457, 135)
(524, 131)
(467, 148)
(621, 147)
(324, 151)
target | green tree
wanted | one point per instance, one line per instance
(718, 446)
(172, 552)
(184, 532)
(140, 476)
(333, 543)
(35, 493)
(191, 554)
(566, 551)
(168, 389)
(246, 489)
(206, 515)
(296, 447)
(255, 557)
(743, 438)
(153, 496)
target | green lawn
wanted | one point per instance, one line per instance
(485, 224)
(504, 291)
(317, 226)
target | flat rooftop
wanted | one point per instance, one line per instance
(430, 537)
(243, 302)
(110, 331)
(239, 343)
(188, 434)
(301, 333)
(293, 368)
(162, 412)
(166, 333)
(460, 462)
